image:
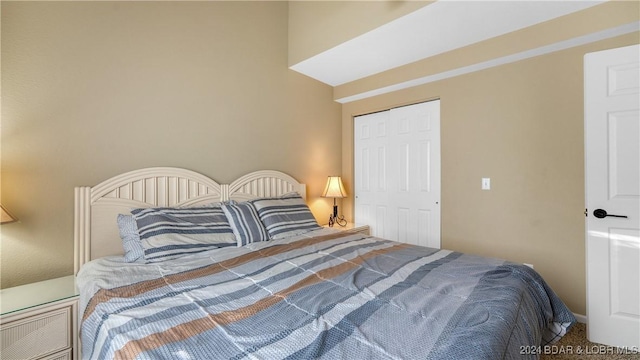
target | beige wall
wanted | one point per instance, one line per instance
(317, 26)
(94, 89)
(520, 124)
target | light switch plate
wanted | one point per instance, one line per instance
(486, 183)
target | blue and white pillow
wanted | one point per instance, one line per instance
(285, 216)
(133, 250)
(245, 223)
(167, 233)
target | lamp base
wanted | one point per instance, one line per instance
(340, 220)
(334, 218)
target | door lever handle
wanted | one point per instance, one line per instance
(601, 214)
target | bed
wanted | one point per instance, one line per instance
(305, 292)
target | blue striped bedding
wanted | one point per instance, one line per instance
(327, 295)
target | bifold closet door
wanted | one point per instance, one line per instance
(397, 173)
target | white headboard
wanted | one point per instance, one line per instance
(96, 208)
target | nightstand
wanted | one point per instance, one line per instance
(352, 228)
(40, 320)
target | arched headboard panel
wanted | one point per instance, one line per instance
(264, 183)
(158, 186)
(96, 208)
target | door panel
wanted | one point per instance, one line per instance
(371, 137)
(612, 179)
(397, 171)
(624, 154)
(623, 260)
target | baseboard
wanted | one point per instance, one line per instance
(581, 318)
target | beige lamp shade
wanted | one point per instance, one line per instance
(5, 216)
(334, 188)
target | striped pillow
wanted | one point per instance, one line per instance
(133, 250)
(245, 223)
(285, 216)
(167, 233)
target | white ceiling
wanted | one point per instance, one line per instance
(434, 29)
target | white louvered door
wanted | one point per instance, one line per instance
(397, 173)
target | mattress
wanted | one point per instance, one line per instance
(326, 294)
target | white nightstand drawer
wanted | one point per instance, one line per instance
(65, 355)
(39, 335)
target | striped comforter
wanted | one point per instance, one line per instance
(331, 296)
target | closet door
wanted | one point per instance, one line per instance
(397, 173)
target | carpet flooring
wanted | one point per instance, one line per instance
(574, 345)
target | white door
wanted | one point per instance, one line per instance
(612, 164)
(397, 173)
